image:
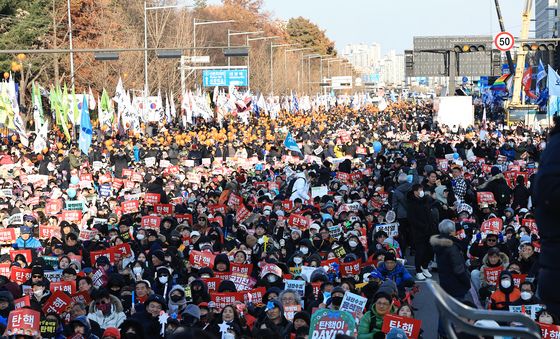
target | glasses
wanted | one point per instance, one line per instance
(100, 303)
(382, 303)
(37, 276)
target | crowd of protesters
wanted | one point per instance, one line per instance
(177, 233)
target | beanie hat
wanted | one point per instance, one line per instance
(193, 311)
(495, 171)
(37, 270)
(303, 316)
(112, 332)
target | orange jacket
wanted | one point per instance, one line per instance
(501, 301)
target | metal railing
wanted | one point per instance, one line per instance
(455, 317)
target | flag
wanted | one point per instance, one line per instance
(37, 108)
(173, 110)
(86, 132)
(500, 83)
(167, 109)
(105, 116)
(295, 104)
(291, 144)
(63, 108)
(91, 100)
(553, 82)
(527, 82)
(541, 72)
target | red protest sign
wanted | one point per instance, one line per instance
(5, 270)
(287, 205)
(202, 259)
(344, 177)
(531, 224)
(86, 177)
(7, 236)
(20, 275)
(255, 295)
(492, 226)
(485, 198)
(117, 183)
(137, 177)
(71, 216)
(299, 221)
(151, 221)
(53, 207)
(409, 325)
(107, 253)
(350, 269)
(361, 150)
(492, 275)
(122, 250)
(170, 170)
(443, 164)
(47, 232)
(64, 286)
(227, 298)
(245, 269)
(184, 217)
(550, 331)
(57, 303)
(152, 198)
(518, 279)
(234, 200)
(212, 283)
(81, 297)
(34, 201)
(213, 209)
(126, 172)
(24, 301)
(131, 206)
(24, 321)
(242, 214)
(163, 209)
(26, 253)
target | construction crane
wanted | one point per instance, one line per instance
(516, 110)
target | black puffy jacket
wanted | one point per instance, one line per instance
(453, 275)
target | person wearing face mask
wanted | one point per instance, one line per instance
(177, 303)
(506, 294)
(163, 282)
(106, 310)
(423, 227)
(40, 294)
(354, 246)
(528, 296)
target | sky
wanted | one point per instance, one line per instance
(393, 23)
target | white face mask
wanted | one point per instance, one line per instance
(352, 243)
(526, 295)
(506, 283)
(297, 260)
(304, 250)
(163, 279)
(271, 278)
(421, 194)
(140, 236)
(137, 270)
(38, 293)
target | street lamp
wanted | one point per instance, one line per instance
(146, 9)
(249, 55)
(272, 46)
(286, 62)
(309, 57)
(70, 39)
(232, 33)
(329, 65)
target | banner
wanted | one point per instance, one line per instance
(24, 321)
(410, 326)
(549, 331)
(392, 229)
(353, 303)
(228, 298)
(58, 302)
(7, 236)
(492, 226)
(327, 323)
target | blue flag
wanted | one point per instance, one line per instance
(541, 73)
(85, 129)
(295, 104)
(553, 83)
(291, 144)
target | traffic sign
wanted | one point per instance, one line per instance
(504, 41)
(222, 77)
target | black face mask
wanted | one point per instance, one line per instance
(176, 298)
(336, 301)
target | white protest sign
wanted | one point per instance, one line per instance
(353, 303)
(164, 163)
(318, 150)
(391, 229)
(319, 191)
(16, 219)
(296, 285)
(150, 162)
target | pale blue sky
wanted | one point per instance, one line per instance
(393, 23)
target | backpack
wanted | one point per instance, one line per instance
(290, 188)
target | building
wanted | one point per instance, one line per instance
(546, 18)
(363, 57)
(392, 68)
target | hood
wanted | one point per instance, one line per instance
(439, 194)
(503, 257)
(440, 242)
(227, 285)
(8, 296)
(404, 187)
(83, 321)
(118, 307)
(222, 258)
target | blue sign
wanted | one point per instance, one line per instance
(483, 82)
(224, 77)
(465, 80)
(505, 68)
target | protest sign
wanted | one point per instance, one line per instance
(151, 221)
(7, 236)
(290, 311)
(64, 286)
(163, 209)
(23, 321)
(350, 269)
(48, 328)
(131, 206)
(549, 331)
(245, 269)
(391, 229)
(58, 302)
(492, 226)
(409, 325)
(299, 221)
(319, 191)
(74, 205)
(353, 303)
(47, 232)
(296, 285)
(87, 235)
(152, 198)
(226, 298)
(26, 253)
(20, 275)
(71, 216)
(24, 301)
(202, 259)
(326, 323)
(485, 198)
(492, 274)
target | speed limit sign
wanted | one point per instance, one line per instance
(504, 41)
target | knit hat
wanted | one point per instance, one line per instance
(37, 270)
(495, 170)
(402, 178)
(396, 333)
(112, 332)
(303, 316)
(193, 311)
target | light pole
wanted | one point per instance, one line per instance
(309, 57)
(329, 65)
(231, 33)
(272, 46)
(146, 9)
(286, 62)
(70, 39)
(249, 55)
(199, 22)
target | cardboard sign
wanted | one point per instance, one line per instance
(242, 214)
(64, 286)
(492, 275)
(492, 226)
(392, 229)
(7, 236)
(326, 323)
(350, 269)
(47, 232)
(244, 269)
(409, 325)
(299, 221)
(151, 221)
(24, 301)
(131, 206)
(296, 285)
(24, 321)
(152, 198)
(20, 275)
(163, 209)
(485, 198)
(353, 303)
(202, 259)
(57, 303)
(71, 216)
(212, 283)
(550, 331)
(26, 253)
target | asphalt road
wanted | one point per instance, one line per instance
(425, 307)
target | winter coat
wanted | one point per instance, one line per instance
(150, 324)
(367, 330)
(399, 203)
(420, 218)
(282, 329)
(399, 275)
(120, 162)
(29, 243)
(520, 197)
(114, 319)
(499, 187)
(454, 277)
(82, 320)
(300, 188)
(503, 263)
(176, 307)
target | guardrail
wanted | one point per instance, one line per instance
(455, 317)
